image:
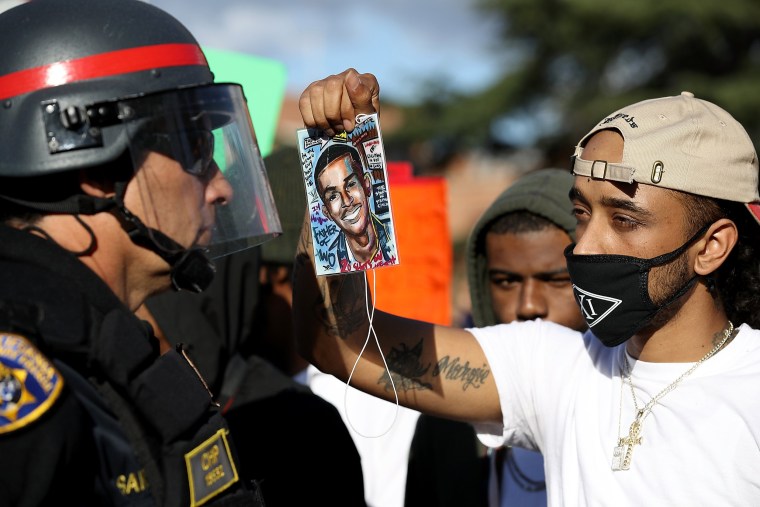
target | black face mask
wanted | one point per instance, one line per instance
(613, 290)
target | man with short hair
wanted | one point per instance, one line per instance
(654, 404)
(516, 271)
(516, 266)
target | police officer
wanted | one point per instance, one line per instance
(124, 169)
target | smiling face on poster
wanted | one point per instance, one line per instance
(346, 184)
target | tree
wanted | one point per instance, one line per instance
(582, 59)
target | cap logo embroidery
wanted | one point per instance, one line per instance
(630, 120)
(595, 307)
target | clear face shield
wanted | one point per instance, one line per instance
(200, 178)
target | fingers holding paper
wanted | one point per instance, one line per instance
(333, 103)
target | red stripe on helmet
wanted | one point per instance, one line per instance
(122, 61)
(754, 208)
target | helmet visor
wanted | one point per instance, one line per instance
(200, 175)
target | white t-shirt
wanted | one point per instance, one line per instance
(561, 393)
(382, 434)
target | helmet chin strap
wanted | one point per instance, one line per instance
(191, 269)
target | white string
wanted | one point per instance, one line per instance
(370, 331)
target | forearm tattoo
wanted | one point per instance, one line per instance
(406, 368)
(346, 310)
(453, 369)
(408, 371)
(340, 309)
(339, 305)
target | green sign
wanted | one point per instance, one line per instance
(263, 82)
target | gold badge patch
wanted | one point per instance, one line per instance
(29, 383)
(210, 469)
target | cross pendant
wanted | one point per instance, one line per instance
(623, 452)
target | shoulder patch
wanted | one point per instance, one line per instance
(29, 383)
(210, 468)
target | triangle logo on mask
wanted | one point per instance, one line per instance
(595, 307)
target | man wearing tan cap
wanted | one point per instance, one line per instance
(656, 403)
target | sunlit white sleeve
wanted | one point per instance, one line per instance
(530, 363)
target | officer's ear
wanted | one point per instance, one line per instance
(100, 181)
(367, 184)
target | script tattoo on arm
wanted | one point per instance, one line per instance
(408, 371)
(469, 376)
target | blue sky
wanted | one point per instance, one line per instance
(404, 42)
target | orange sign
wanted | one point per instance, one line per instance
(419, 287)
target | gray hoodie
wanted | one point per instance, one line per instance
(543, 192)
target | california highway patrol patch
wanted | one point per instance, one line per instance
(29, 383)
(210, 469)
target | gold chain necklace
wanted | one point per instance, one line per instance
(623, 451)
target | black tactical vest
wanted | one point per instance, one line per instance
(146, 431)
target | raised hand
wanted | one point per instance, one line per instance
(332, 103)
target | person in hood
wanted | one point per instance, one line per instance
(517, 272)
(516, 266)
(655, 403)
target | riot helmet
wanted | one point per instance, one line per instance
(117, 88)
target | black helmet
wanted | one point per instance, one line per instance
(61, 58)
(86, 84)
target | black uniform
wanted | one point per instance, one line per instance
(90, 413)
(290, 440)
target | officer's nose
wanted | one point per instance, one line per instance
(218, 191)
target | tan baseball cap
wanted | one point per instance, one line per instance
(682, 143)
